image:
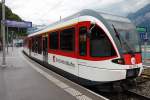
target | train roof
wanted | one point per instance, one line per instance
(104, 17)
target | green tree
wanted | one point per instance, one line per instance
(9, 14)
(12, 16)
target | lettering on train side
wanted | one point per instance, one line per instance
(63, 61)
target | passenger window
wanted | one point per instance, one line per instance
(33, 45)
(39, 44)
(82, 41)
(53, 39)
(67, 38)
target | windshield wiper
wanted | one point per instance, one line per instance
(117, 34)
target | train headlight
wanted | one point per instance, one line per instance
(133, 60)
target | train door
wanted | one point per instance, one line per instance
(45, 49)
(83, 44)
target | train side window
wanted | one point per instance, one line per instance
(67, 38)
(53, 39)
(36, 45)
(33, 45)
(39, 45)
(82, 41)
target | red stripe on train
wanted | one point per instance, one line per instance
(75, 55)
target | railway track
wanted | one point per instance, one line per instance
(142, 79)
(132, 94)
(126, 95)
(139, 96)
(140, 91)
(145, 76)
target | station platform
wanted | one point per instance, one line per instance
(24, 79)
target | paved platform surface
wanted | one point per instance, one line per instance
(24, 79)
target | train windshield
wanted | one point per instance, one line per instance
(125, 32)
(129, 41)
(127, 36)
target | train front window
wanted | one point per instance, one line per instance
(100, 45)
(129, 39)
(125, 33)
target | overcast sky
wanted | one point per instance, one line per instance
(48, 11)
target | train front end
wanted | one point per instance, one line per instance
(129, 49)
(114, 51)
(127, 41)
(128, 44)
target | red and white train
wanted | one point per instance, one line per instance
(88, 47)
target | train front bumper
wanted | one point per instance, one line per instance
(132, 73)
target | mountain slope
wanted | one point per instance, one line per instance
(9, 14)
(141, 17)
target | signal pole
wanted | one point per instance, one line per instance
(12, 35)
(7, 39)
(3, 33)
